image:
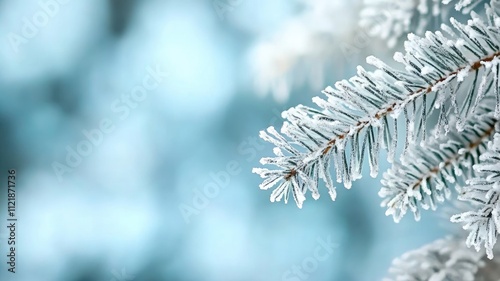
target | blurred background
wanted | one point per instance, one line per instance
(133, 128)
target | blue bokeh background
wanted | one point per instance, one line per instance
(120, 212)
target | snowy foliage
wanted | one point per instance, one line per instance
(445, 259)
(442, 98)
(443, 74)
(427, 174)
(483, 192)
(300, 51)
(391, 19)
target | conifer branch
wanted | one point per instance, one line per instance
(462, 66)
(446, 80)
(391, 19)
(426, 172)
(483, 192)
(444, 259)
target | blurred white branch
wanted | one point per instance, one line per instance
(303, 47)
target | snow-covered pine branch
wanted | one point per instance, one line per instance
(456, 70)
(443, 260)
(446, 259)
(427, 174)
(391, 19)
(483, 192)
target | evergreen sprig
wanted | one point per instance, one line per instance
(483, 192)
(391, 19)
(448, 73)
(443, 260)
(442, 98)
(428, 174)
